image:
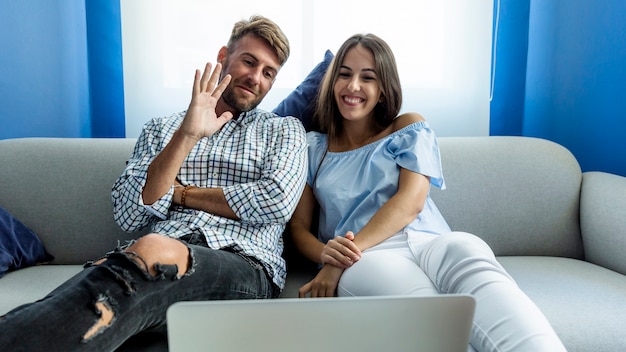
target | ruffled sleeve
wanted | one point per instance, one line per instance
(415, 148)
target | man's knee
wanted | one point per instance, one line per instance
(154, 249)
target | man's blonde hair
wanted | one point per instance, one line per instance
(265, 29)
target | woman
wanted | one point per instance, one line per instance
(379, 232)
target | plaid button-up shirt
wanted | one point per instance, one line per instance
(259, 160)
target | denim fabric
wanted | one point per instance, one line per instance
(139, 301)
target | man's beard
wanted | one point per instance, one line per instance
(237, 103)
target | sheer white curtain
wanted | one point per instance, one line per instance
(443, 50)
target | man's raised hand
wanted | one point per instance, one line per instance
(201, 119)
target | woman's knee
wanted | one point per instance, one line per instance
(155, 249)
(460, 262)
(388, 272)
(463, 244)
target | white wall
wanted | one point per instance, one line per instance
(443, 50)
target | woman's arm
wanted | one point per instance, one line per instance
(399, 211)
(394, 215)
(404, 206)
(325, 282)
(342, 254)
(300, 227)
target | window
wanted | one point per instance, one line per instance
(442, 47)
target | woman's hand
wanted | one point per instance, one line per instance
(341, 251)
(324, 284)
(201, 119)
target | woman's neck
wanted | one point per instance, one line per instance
(356, 135)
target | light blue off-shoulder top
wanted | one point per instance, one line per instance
(351, 186)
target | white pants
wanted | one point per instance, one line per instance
(455, 263)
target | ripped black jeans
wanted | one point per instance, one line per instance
(105, 304)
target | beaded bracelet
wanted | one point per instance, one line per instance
(184, 194)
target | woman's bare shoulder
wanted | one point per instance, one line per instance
(406, 119)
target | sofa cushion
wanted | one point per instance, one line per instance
(300, 102)
(33, 283)
(583, 302)
(19, 246)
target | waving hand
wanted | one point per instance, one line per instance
(201, 119)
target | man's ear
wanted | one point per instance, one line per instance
(222, 54)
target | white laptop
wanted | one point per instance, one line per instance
(366, 324)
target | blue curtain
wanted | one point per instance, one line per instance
(559, 74)
(106, 74)
(509, 47)
(558, 69)
(61, 69)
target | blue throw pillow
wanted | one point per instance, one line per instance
(301, 101)
(19, 246)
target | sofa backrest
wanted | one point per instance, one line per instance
(520, 194)
(61, 189)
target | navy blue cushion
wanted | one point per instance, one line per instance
(300, 102)
(19, 246)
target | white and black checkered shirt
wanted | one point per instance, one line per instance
(259, 160)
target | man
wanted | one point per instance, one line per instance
(217, 183)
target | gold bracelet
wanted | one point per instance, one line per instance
(182, 196)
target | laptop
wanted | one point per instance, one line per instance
(439, 323)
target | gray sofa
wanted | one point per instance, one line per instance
(560, 233)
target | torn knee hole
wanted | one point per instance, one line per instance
(153, 250)
(155, 269)
(106, 316)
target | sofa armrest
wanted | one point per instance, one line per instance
(603, 219)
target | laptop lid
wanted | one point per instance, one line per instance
(380, 323)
